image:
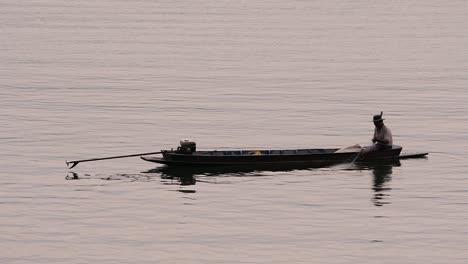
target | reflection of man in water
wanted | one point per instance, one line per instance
(382, 137)
(382, 174)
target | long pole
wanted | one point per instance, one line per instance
(75, 162)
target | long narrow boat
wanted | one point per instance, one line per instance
(186, 155)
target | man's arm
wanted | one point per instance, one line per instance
(381, 141)
(386, 138)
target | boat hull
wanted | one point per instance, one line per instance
(313, 157)
(298, 157)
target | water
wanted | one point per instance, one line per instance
(88, 79)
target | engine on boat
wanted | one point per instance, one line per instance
(187, 147)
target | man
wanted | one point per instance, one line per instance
(382, 137)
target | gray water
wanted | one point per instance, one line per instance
(84, 79)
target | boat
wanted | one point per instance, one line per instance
(187, 155)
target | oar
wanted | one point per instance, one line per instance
(75, 162)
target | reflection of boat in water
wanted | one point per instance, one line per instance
(187, 175)
(381, 171)
(229, 170)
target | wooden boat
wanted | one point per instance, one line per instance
(250, 157)
(186, 155)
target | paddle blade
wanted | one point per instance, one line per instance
(73, 164)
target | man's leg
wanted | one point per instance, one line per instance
(367, 151)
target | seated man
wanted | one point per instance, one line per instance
(382, 137)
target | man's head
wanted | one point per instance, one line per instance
(378, 121)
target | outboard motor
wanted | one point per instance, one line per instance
(187, 147)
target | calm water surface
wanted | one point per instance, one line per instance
(83, 79)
